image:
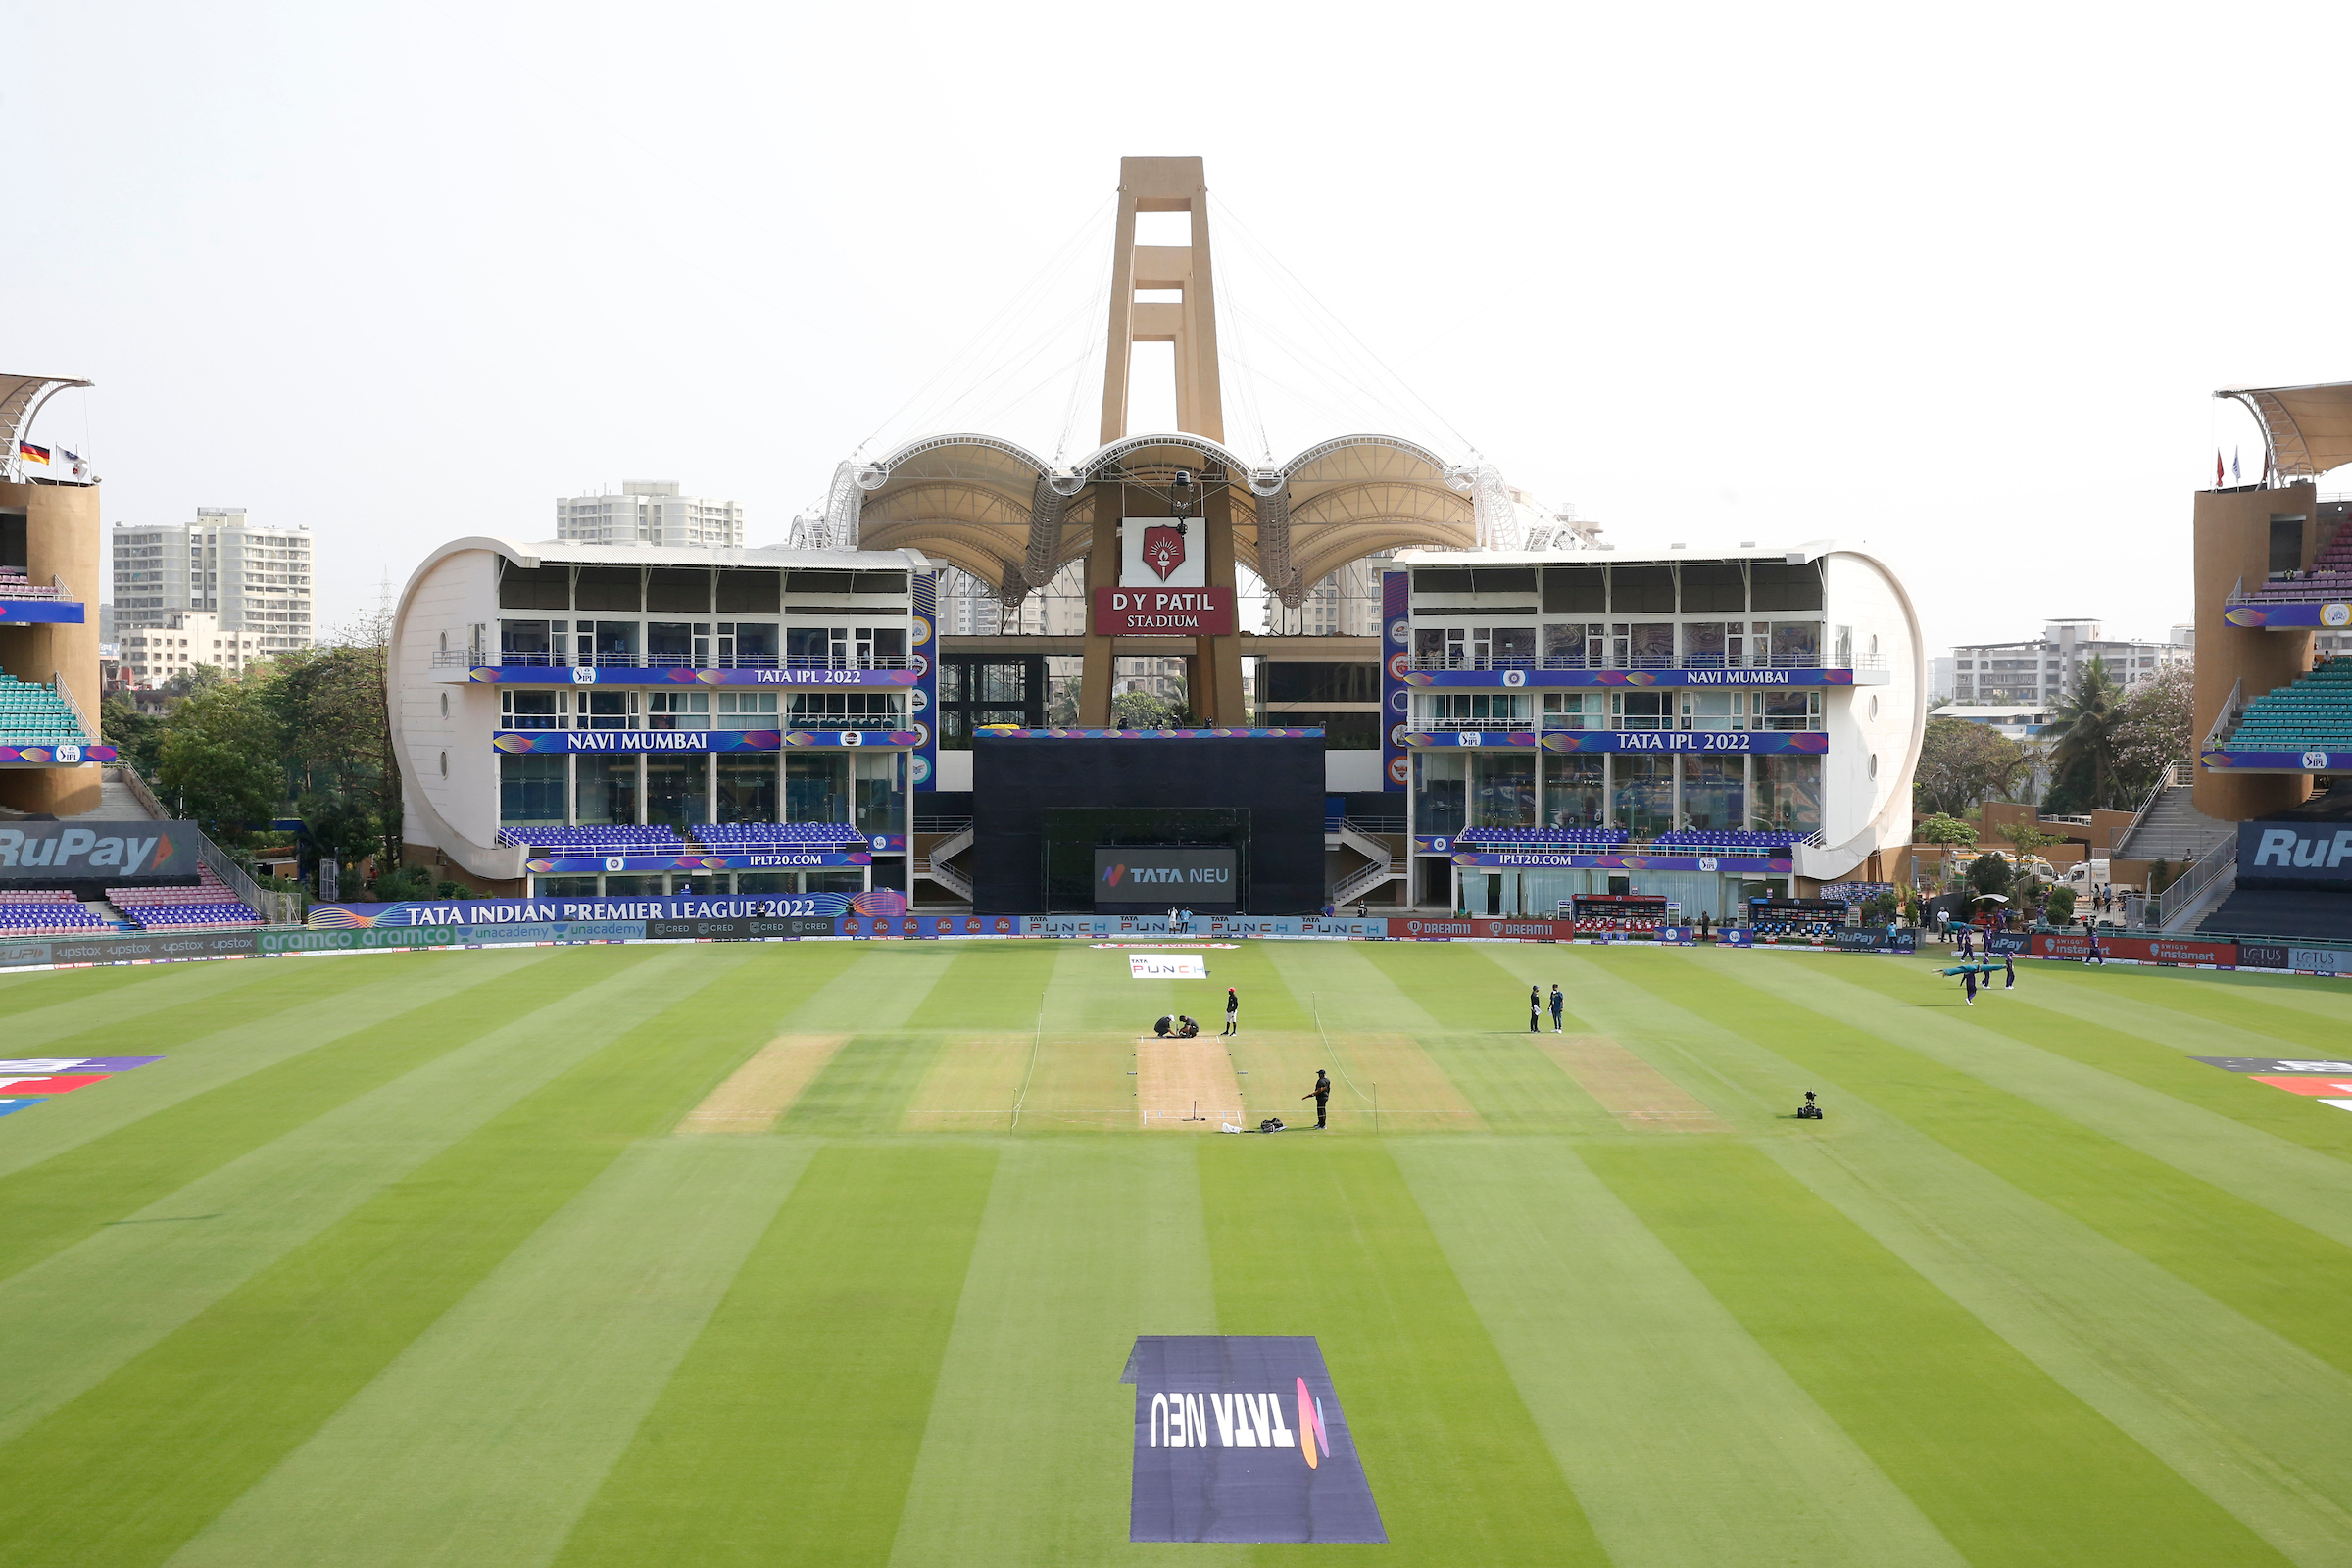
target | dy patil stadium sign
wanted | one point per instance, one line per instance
(1242, 1439)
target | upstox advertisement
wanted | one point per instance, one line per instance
(1241, 1437)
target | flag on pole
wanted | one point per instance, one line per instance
(32, 454)
(2233, 469)
(2218, 478)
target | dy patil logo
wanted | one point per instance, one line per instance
(1240, 1439)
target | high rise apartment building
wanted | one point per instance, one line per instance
(649, 512)
(255, 581)
(2045, 669)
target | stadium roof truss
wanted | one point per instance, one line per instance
(21, 398)
(998, 511)
(2308, 428)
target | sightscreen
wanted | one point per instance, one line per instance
(1041, 808)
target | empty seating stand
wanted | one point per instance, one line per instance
(1542, 838)
(623, 839)
(47, 912)
(1726, 842)
(2314, 714)
(30, 713)
(767, 838)
(2330, 578)
(209, 906)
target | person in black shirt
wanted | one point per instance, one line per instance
(1321, 1095)
(1232, 1013)
(1535, 1010)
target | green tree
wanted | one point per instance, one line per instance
(2062, 905)
(195, 679)
(1143, 711)
(219, 764)
(137, 735)
(1990, 872)
(341, 828)
(1961, 764)
(2083, 758)
(330, 706)
(1941, 829)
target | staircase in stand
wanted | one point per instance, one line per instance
(2170, 828)
(933, 865)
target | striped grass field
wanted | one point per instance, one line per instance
(832, 1253)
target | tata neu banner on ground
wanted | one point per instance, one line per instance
(1242, 1439)
(1163, 611)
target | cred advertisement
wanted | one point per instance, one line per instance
(1163, 611)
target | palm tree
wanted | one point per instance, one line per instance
(2083, 733)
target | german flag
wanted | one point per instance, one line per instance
(32, 454)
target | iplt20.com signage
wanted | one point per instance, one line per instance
(1242, 1439)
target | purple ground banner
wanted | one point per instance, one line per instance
(586, 907)
(1240, 1439)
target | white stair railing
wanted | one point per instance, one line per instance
(2211, 876)
(2174, 776)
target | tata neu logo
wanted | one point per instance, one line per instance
(1113, 876)
(1242, 1439)
(1163, 550)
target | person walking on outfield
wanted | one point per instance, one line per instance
(1321, 1095)
(1535, 1010)
(1232, 1013)
(1557, 1003)
(2009, 969)
(1968, 982)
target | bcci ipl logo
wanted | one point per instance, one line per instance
(1163, 549)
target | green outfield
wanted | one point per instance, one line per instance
(832, 1253)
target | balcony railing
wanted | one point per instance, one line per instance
(26, 588)
(1806, 661)
(540, 659)
(1552, 724)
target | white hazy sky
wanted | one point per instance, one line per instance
(1957, 281)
